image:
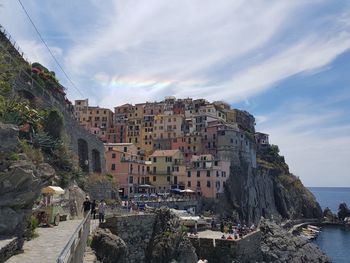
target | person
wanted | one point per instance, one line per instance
(195, 227)
(101, 211)
(212, 224)
(43, 219)
(93, 209)
(86, 206)
(222, 227)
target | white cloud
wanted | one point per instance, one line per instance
(37, 52)
(315, 147)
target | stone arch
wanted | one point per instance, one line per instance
(96, 161)
(83, 152)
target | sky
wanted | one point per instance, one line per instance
(286, 62)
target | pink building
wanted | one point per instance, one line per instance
(128, 169)
(207, 175)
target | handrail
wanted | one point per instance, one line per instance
(67, 249)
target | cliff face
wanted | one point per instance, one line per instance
(269, 190)
(20, 183)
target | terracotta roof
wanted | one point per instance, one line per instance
(163, 153)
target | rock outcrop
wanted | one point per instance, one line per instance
(108, 247)
(169, 243)
(269, 191)
(20, 185)
(280, 246)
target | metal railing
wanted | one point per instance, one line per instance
(73, 252)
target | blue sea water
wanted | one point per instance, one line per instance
(334, 241)
(331, 196)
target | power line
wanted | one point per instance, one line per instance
(51, 53)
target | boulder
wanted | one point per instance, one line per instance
(108, 247)
(20, 186)
(8, 137)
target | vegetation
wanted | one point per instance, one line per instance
(269, 157)
(53, 123)
(343, 211)
(34, 225)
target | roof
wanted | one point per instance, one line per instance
(162, 153)
(52, 190)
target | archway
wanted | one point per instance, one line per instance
(96, 161)
(83, 152)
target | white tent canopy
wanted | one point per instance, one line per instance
(52, 190)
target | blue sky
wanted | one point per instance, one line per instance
(287, 62)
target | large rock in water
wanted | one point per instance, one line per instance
(278, 245)
(108, 247)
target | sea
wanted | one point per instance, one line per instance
(334, 241)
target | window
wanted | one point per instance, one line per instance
(217, 174)
(208, 173)
(168, 178)
(189, 184)
(154, 170)
(215, 163)
(198, 173)
(154, 159)
(154, 178)
(188, 173)
(208, 184)
(113, 167)
(126, 149)
(113, 155)
(131, 180)
(168, 159)
(198, 184)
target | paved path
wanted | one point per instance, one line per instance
(210, 234)
(48, 245)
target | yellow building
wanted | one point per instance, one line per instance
(165, 169)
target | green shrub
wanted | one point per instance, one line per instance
(53, 123)
(34, 224)
(13, 156)
(35, 155)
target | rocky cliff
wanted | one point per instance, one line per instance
(269, 190)
(20, 183)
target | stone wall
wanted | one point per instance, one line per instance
(243, 250)
(136, 231)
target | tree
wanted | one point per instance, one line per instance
(343, 211)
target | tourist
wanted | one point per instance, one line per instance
(222, 226)
(212, 224)
(93, 209)
(101, 211)
(86, 206)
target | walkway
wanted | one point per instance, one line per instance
(48, 245)
(210, 234)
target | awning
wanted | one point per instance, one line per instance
(187, 191)
(177, 190)
(52, 190)
(146, 186)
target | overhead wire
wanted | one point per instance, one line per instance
(48, 48)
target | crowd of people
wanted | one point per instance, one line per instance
(95, 207)
(231, 231)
